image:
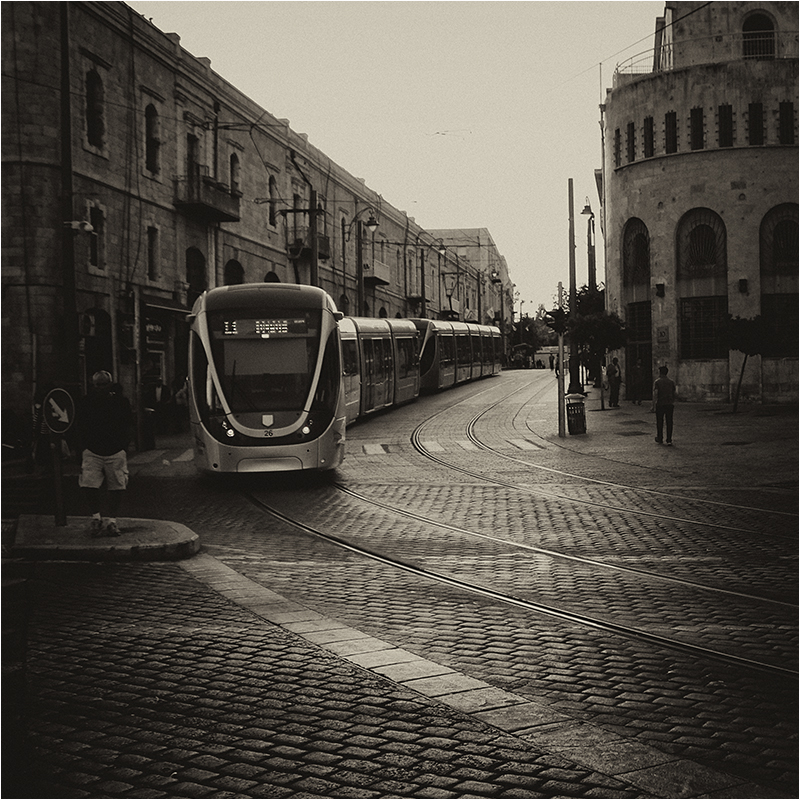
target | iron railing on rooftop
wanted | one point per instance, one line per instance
(755, 46)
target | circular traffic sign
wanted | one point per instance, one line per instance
(59, 410)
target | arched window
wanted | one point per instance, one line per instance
(701, 242)
(273, 201)
(236, 190)
(271, 277)
(778, 254)
(702, 285)
(383, 313)
(635, 253)
(758, 37)
(95, 109)
(778, 241)
(234, 273)
(152, 142)
(195, 275)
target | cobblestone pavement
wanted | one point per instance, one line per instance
(162, 680)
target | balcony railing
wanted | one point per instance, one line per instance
(376, 272)
(755, 46)
(201, 196)
(299, 239)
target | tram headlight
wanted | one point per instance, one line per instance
(306, 429)
(230, 433)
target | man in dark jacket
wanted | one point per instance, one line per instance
(104, 422)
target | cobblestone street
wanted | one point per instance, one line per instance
(276, 664)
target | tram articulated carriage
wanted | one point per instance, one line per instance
(276, 373)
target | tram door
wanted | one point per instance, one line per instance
(369, 375)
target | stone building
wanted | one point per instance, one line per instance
(134, 178)
(700, 197)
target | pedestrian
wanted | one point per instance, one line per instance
(636, 379)
(181, 396)
(557, 366)
(552, 361)
(614, 383)
(104, 423)
(664, 404)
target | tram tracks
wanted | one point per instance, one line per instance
(766, 612)
(581, 619)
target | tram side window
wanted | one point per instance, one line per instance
(350, 356)
(202, 384)
(406, 355)
(328, 387)
(477, 354)
(447, 348)
(463, 350)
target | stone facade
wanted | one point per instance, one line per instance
(135, 177)
(700, 188)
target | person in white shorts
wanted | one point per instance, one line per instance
(104, 423)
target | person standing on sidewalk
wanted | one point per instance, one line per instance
(104, 424)
(664, 404)
(614, 383)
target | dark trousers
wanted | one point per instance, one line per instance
(664, 413)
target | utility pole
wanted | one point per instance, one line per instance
(312, 232)
(575, 385)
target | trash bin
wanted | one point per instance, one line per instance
(576, 414)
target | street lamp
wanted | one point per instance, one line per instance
(496, 279)
(575, 385)
(595, 366)
(371, 225)
(590, 245)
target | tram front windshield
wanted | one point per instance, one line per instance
(265, 360)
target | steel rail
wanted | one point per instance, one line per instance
(580, 619)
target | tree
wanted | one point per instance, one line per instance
(747, 336)
(594, 330)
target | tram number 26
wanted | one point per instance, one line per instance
(267, 434)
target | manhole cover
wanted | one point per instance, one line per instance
(734, 444)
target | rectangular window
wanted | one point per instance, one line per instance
(671, 132)
(152, 253)
(703, 327)
(638, 322)
(755, 127)
(96, 237)
(649, 138)
(697, 129)
(631, 142)
(780, 315)
(726, 126)
(617, 148)
(786, 130)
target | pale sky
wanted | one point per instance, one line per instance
(462, 114)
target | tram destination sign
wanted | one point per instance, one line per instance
(264, 328)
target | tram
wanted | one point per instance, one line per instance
(266, 393)
(276, 373)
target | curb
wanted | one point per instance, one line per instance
(38, 538)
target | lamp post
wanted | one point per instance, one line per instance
(595, 367)
(590, 246)
(496, 279)
(371, 225)
(575, 386)
(438, 244)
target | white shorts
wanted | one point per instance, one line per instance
(95, 468)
